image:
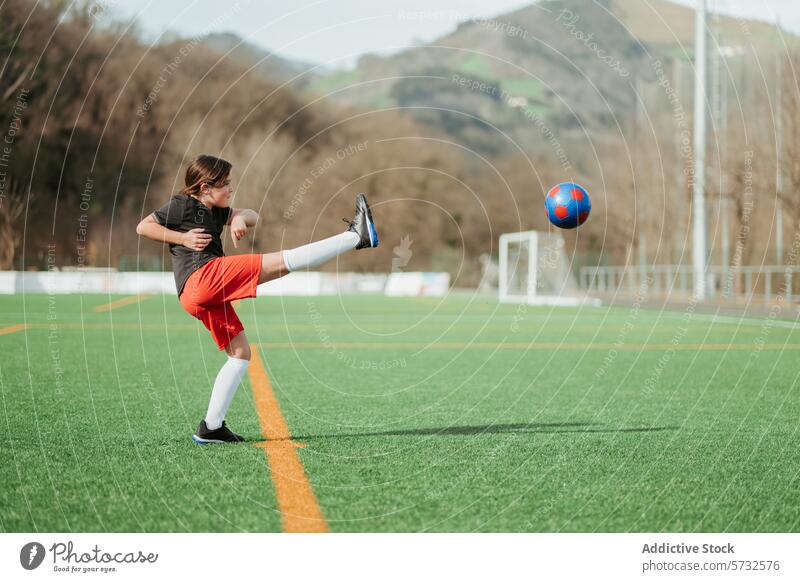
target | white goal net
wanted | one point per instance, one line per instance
(534, 269)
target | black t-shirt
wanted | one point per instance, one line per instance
(183, 213)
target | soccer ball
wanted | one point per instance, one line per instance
(567, 205)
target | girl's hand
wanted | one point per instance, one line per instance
(238, 229)
(196, 239)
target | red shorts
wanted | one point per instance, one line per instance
(209, 291)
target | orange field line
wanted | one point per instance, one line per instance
(13, 328)
(524, 346)
(121, 303)
(300, 511)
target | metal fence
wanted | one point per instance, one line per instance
(763, 283)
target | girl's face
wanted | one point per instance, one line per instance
(218, 196)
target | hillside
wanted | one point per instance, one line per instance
(571, 64)
(246, 54)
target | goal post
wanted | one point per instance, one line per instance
(534, 269)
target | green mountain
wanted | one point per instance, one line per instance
(568, 66)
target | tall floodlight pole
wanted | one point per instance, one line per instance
(778, 150)
(720, 106)
(699, 254)
(640, 227)
(680, 176)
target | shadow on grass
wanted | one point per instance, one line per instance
(470, 430)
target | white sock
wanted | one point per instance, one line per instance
(228, 379)
(316, 253)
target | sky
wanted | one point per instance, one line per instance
(337, 32)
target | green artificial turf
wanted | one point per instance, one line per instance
(474, 420)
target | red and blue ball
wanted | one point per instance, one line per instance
(567, 205)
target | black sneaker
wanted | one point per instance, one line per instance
(362, 224)
(223, 434)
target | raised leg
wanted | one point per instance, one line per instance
(360, 234)
(272, 267)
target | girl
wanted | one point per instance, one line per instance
(207, 281)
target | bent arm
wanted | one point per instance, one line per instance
(149, 228)
(250, 216)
